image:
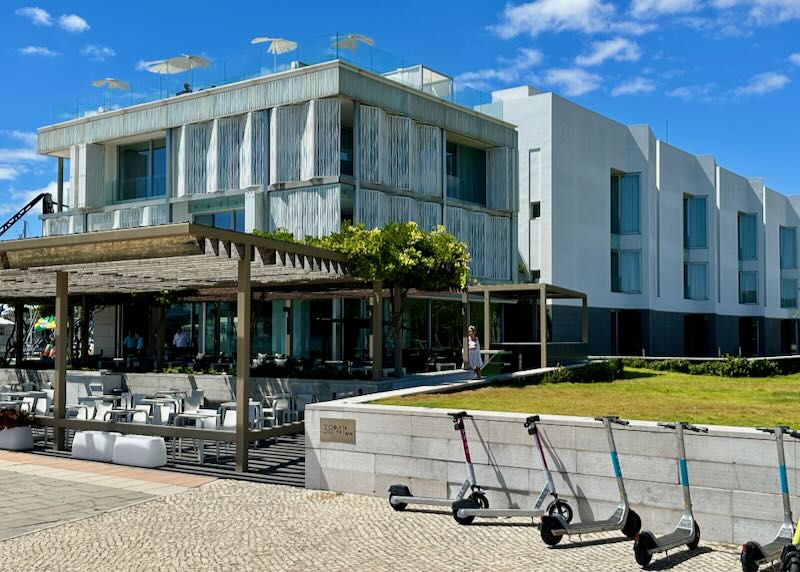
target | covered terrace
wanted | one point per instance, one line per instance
(174, 257)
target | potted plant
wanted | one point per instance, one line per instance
(15, 430)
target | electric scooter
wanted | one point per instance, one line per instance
(400, 495)
(465, 510)
(754, 554)
(687, 531)
(624, 518)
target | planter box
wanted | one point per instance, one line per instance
(16, 439)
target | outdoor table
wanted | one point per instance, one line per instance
(174, 401)
(180, 420)
(258, 404)
(108, 397)
(19, 394)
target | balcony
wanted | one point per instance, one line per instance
(112, 219)
(256, 62)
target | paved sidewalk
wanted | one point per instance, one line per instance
(234, 525)
(37, 492)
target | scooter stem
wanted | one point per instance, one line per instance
(684, 472)
(547, 472)
(612, 447)
(787, 507)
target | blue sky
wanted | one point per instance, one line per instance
(723, 73)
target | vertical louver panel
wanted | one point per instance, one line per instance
(428, 158)
(327, 137)
(254, 211)
(500, 177)
(373, 127)
(230, 140)
(397, 160)
(198, 142)
(287, 142)
(87, 175)
(498, 248)
(487, 239)
(430, 215)
(179, 160)
(251, 152)
(371, 208)
(212, 159)
(376, 209)
(315, 211)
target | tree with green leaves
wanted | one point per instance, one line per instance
(402, 257)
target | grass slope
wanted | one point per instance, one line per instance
(642, 394)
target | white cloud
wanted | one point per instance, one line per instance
(655, 8)
(572, 81)
(15, 199)
(15, 161)
(37, 51)
(98, 53)
(795, 58)
(763, 83)
(510, 70)
(618, 49)
(26, 137)
(36, 15)
(532, 18)
(633, 86)
(141, 65)
(696, 91)
(8, 173)
(73, 23)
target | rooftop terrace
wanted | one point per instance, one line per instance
(146, 87)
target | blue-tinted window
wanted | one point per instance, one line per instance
(748, 287)
(695, 223)
(142, 171)
(788, 293)
(748, 241)
(788, 246)
(695, 281)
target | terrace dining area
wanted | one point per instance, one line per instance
(195, 431)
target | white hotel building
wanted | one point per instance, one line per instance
(678, 255)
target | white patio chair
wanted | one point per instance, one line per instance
(102, 411)
(43, 406)
(96, 389)
(283, 409)
(28, 405)
(229, 420)
(193, 402)
(162, 413)
(142, 414)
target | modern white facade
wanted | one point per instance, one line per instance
(678, 255)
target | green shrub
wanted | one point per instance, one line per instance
(595, 372)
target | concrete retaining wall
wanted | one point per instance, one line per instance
(733, 471)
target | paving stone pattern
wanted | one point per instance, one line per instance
(29, 503)
(234, 525)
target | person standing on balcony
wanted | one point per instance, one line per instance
(128, 345)
(474, 346)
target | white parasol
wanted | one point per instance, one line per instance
(276, 46)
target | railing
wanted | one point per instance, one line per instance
(147, 87)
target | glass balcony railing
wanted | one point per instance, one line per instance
(147, 87)
(135, 189)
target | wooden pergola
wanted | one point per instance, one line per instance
(543, 292)
(155, 259)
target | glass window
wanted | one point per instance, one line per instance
(238, 220)
(228, 220)
(536, 209)
(788, 246)
(625, 271)
(142, 170)
(625, 204)
(204, 219)
(694, 222)
(748, 287)
(788, 293)
(466, 173)
(747, 236)
(346, 151)
(695, 281)
(224, 220)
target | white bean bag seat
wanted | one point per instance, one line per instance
(140, 451)
(94, 445)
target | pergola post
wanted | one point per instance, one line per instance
(287, 341)
(487, 317)
(19, 332)
(376, 345)
(465, 314)
(585, 324)
(543, 324)
(243, 302)
(60, 186)
(61, 348)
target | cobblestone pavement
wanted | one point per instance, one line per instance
(29, 502)
(234, 525)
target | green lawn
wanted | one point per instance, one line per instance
(642, 394)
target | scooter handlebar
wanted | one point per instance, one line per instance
(795, 434)
(613, 419)
(459, 415)
(696, 429)
(667, 425)
(531, 420)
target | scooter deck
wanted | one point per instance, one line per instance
(421, 500)
(671, 540)
(499, 512)
(612, 523)
(772, 550)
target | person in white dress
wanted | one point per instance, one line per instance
(474, 346)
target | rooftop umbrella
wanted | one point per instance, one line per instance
(177, 64)
(351, 41)
(276, 46)
(111, 83)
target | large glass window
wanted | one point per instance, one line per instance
(747, 236)
(695, 281)
(788, 246)
(466, 173)
(625, 271)
(788, 293)
(142, 170)
(748, 287)
(625, 210)
(228, 220)
(695, 234)
(346, 151)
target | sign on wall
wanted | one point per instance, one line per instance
(337, 430)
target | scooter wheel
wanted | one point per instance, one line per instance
(546, 530)
(633, 524)
(696, 540)
(480, 500)
(748, 559)
(560, 508)
(467, 503)
(641, 549)
(398, 506)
